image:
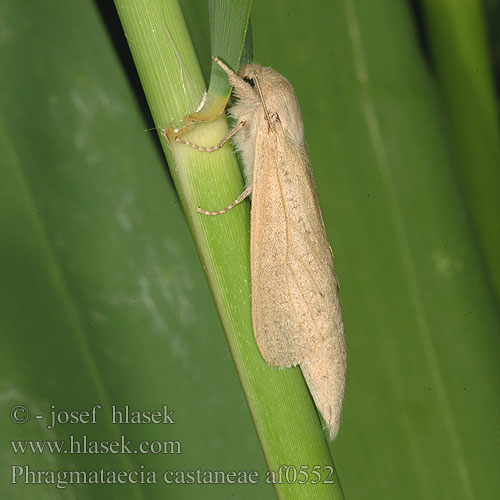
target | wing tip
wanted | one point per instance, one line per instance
(325, 371)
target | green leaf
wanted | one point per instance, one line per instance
(228, 36)
(103, 299)
(458, 44)
(422, 400)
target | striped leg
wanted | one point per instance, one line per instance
(240, 198)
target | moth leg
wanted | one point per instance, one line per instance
(226, 138)
(238, 200)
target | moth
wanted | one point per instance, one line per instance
(296, 312)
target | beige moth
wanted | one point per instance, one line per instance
(296, 312)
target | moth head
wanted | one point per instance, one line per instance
(272, 92)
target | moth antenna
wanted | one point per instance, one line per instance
(259, 90)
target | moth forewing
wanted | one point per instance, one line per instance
(293, 285)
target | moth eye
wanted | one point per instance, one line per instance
(249, 80)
